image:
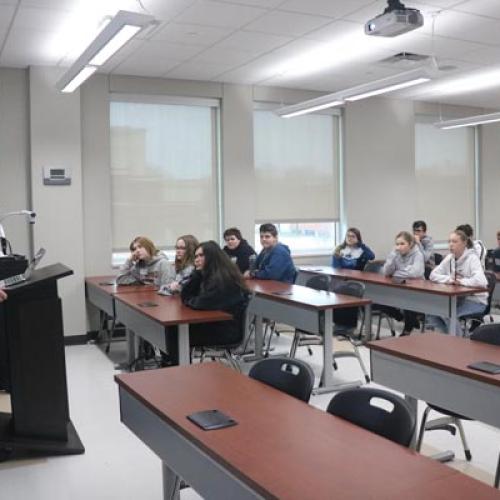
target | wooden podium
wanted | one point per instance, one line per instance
(33, 369)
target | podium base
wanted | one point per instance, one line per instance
(13, 446)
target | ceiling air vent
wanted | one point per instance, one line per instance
(404, 59)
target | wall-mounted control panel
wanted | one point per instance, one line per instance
(56, 176)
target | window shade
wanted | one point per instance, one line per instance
(163, 168)
(444, 169)
(296, 167)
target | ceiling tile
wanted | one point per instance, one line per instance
(166, 50)
(267, 4)
(335, 30)
(286, 23)
(198, 71)
(139, 66)
(255, 42)
(330, 8)
(191, 34)
(220, 56)
(489, 8)
(6, 13)
(209, 13)
(44, 19)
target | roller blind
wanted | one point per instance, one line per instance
(163, 171)
(444, 169)
(296, 165)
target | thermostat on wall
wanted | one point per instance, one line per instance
(56, 176)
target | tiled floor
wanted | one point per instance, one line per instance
(116, 465)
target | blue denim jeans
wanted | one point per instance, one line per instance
(464, 308)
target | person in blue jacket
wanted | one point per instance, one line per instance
(352, 253)
(274, 262)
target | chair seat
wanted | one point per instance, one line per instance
(448, 412)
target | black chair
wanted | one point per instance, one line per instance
(375, 266)
(229, 352)
(366, 407)
(497, 474)
(451, 420)
(438, 258)
(292, 376)
(472, 321)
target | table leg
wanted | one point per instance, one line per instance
(258, 337)
(326, 381)
(413, 403)
(131, 346)
(183, 339)
(368, 322)
(171, 483)
(453, 316)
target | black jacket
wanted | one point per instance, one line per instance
(242, 253)
(199, 294)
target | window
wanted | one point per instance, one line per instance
(445, 180)
(163, 170)
(305, 238)
(296, 175)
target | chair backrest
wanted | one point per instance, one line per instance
(319, 282)
(437, 258)
(293, 376)
(366, 407)
(487, 333)
(492, 281)
(348, 317)
(374, 266)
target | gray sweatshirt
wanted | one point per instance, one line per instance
(134, 272)
(467, 270)
(175, 276)
(410, 265)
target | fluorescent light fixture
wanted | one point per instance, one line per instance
(383, 86)
(389, 84)
(469, 121)
(122, 28)
(79, 78)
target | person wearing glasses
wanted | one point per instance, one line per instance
(182, 267)
(352, 253)
(215, 284)
(424, 242)
(238, 248)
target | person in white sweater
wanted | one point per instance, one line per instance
(461, 267)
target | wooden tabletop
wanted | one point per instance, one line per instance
(169, 310)
(285, 448)
(444, 352)
(414, 284)
(306, 297)
(108, 284)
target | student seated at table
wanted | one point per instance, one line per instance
(274, 262)
(352, 253)
(238, 248)
(424, 242)
(493, 257)
(478, 245)
(146, 264)
(460, 267)
(215, 284)
(406, 261)
(183, 266)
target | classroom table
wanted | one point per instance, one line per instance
(433, 367)
(415, 294)
(306, 309)
(147, 314)
(281, 447)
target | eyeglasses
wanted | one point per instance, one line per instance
(179, 248)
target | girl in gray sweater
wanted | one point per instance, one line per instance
(406, 261)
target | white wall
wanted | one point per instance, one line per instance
(55, 137)
(14, 156)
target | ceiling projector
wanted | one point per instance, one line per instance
(395, 20)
